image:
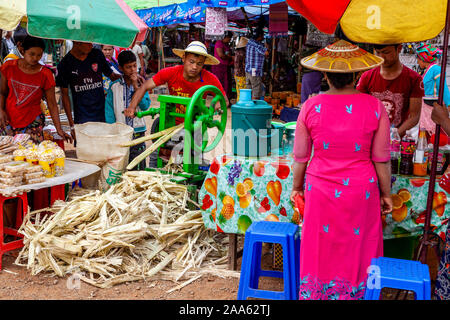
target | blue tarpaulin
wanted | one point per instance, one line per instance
(192, 11)
(173, 14)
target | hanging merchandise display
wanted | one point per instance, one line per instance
(216, 22)
(278, 19)
(317, 38)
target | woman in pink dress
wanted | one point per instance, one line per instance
(347, 185)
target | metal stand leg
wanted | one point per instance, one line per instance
(232, 251)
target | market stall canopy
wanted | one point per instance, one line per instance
(376, 21)
(145, 4)
(110, 22)
(193, 11)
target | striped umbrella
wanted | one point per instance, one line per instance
(110, 22)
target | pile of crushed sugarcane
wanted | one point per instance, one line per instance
(140, 228)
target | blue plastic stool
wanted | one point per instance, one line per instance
(398, 274)
(284, 233)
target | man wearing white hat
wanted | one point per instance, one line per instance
(183, 80)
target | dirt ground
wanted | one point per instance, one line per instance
(16, 283)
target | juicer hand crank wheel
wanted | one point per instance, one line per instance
(200, 116)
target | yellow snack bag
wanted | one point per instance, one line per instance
(60, 158)
(20, 154)
(32, 155)
(47, 162)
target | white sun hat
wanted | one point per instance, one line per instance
(196, 47)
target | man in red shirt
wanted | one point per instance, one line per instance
(397, 86)
(183, 80)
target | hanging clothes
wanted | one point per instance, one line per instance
(278, 19)
(216, 22)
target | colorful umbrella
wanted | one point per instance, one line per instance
(110, 22)
(376, 21)
(388, 22)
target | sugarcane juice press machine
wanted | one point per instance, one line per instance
(199, 117)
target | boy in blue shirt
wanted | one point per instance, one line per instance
(119, 97)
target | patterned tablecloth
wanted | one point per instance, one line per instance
(239, 190)
(410, 202)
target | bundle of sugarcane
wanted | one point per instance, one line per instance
(140, 228)
(163, 136)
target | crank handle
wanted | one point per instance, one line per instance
(150, 112)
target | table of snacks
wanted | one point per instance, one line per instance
(73, 171)
(239, 190)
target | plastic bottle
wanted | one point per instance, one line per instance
(395, 149)
(421, 155)
(407, 154)
(441, 159)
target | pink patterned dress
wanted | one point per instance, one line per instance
(342, 228)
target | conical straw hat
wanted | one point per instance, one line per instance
(342, 57)
(242, 43)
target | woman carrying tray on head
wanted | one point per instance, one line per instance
(348, 180)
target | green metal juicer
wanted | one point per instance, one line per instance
(198, 116)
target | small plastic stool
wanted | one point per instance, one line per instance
(22, 209)
(284, 233)
(41, 196)
(57, 193)
(398, 274)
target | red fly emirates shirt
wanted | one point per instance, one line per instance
(178, 86)
(394, 94)
(23, 103)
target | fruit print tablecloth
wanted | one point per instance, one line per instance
(239, 190)
(409, 195)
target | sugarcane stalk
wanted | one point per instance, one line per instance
(151, 136)
(152, 148)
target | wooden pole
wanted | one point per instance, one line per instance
(272, 66)
(425, 243)
(161, 59)
(247, 21)
(300, 51)
(162, 48)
